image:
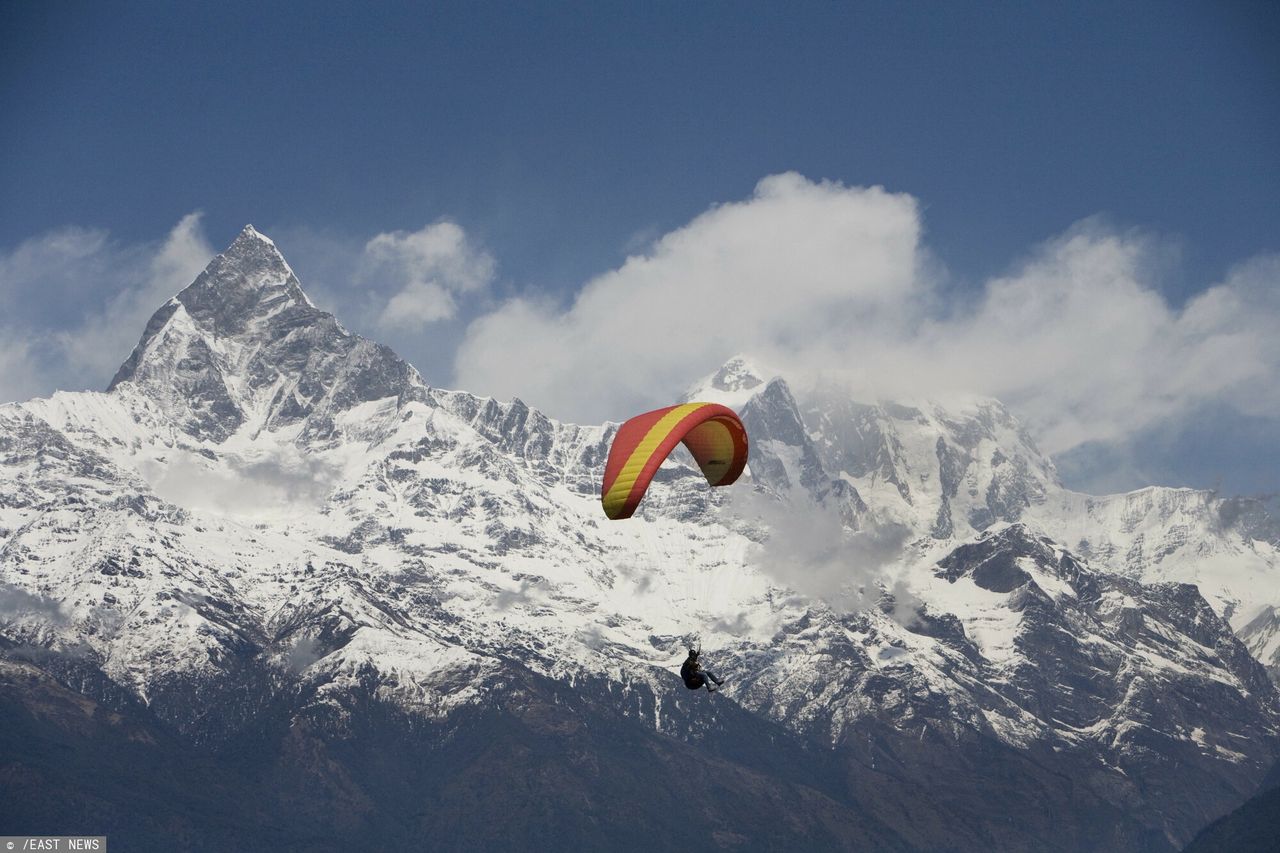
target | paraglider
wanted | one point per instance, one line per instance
(713, 433)
(716, 438)
(695, 676)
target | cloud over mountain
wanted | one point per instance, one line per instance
(72, 301)
(827, 282)
(836, 283)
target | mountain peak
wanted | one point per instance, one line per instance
(237, 294)
(248, 281)
(251, 233)
(738, 374)
(243, 338)
(737, 380)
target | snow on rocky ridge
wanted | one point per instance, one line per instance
(258, 484)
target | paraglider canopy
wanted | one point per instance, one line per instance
(713, 433)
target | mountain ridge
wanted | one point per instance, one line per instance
(295, 512)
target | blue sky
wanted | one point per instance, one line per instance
(558, 140)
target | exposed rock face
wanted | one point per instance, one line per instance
(271, 552)
(242, 344)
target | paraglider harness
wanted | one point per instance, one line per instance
(691, 672)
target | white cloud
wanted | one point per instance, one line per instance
(19, 373)
(795, 261)
(16, 602)
(807, 548)
(106, 337)
(419, 303)
(1081, 342)
(832, 282)
(280, 483)
(428, 269)
(75, 303)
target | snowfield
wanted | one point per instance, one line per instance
(260, 483)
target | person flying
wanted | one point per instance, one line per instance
(695, 676)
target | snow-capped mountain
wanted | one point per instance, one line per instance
(268, 525)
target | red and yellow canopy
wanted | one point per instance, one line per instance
(713, 433)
